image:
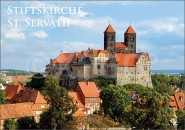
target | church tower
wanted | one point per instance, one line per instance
(109, 39)
(130, 40)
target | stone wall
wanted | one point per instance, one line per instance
(139, 74)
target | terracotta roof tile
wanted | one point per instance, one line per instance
(76, 99)
(79, 113)
(97, 52)
(64, 58)
(173, 103)
(86, 53)
(14, 111)
(130, 30)
(30, 96)
(120, 45)
(109, 29)
(78, 54)
(19, 79)
(11, 91)
(89, 89)
(128, 59)
(180, 99)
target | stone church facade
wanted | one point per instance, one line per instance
(118, 61)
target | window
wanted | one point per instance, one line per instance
(145, 68)
(180, 98)
(98, 66)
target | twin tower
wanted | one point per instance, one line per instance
(128, 46)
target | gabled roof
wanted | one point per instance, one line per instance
(129, 60)
(109, 29)
(89, 89)
(120, 45)
(86, 53)
(30, 96)
(19, 79)
(65, 58)
(11, 91)
(79, 113)
(96, 52)
(180, 99)
(130, 30)
(173, 104)
(14, 111)
(78, 54)
(76, 99)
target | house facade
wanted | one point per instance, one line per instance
(86, 97)
(118, 60)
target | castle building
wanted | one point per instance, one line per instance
(118, 60)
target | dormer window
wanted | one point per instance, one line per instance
(180, 98)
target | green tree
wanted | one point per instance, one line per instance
(37, 81)
(140, 89)
(157, 79)
(114, 100)
(164, 88)
(162, 82)
(27, 123)
(2, 97)
(10, 124)
(103, 82)
(3, 82)
(180, 119)
(150, 112)
(61, 107)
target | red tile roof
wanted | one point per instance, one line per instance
(78, 54)
(14, 111)
(89, 89)
(76, 99)
(109, 29)
(64, 58)
(120, 45)
(11, 91)
(173, 103)
(18, 79)
(97, 52)
(180, 99)
(130, 30)
(79, 113)
(86, 53)
(128, 59)
(30, 96)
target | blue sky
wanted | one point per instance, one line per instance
(159, 27)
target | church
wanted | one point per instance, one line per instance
(118, 60)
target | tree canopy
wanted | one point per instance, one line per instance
(150, 112)
(2, 97)
(37, 81)
(103, 82)
(3, 82)
(27, 123)
(10, 124)
(180, 119)
(61, 107)
(114, 100)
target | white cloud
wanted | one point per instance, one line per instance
(78, 46)
(40, 34)
(162, 25)
(15, 34)
(87, 23)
